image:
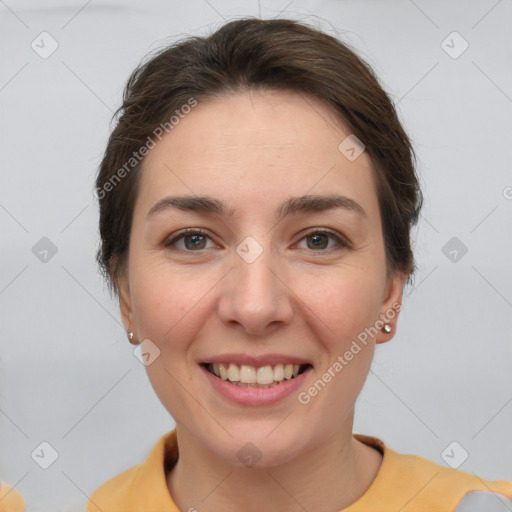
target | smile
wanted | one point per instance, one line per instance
(256, 377)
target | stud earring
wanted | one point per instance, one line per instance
(130, 336)
(387, 328)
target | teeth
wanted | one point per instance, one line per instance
(265, 376)
(247, 374)
(233, 373)
(278, 372)
(223, 372)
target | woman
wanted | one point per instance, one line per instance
(256, 200)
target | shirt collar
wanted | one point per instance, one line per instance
(150, 491)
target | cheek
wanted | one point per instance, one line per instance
(172, 306)
(345, 304)
(169, 311)
(342, 309)
(163, 300)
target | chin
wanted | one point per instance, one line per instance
(253, 447)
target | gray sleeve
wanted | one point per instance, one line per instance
(484, 501)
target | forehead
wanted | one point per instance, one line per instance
(254, 148)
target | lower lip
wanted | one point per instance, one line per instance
(256, 396)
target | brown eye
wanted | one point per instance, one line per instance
(319, 240)
(197, 241)
(193, 239)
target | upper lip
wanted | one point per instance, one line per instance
(256, 361)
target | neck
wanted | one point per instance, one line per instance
(329, 477)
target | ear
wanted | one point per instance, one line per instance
(391, 305)
(125, 303)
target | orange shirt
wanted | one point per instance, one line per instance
(405, 483)
(10, 499)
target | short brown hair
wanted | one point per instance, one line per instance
(245, 54)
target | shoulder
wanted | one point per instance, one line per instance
(450, 489)
(425, 485)
(141, 486)
(10, 499)
(109, 495)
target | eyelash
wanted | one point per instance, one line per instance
(341, 241)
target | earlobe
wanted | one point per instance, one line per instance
(391, 307)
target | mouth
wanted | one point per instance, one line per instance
(256, 377)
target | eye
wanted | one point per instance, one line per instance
(319, 238)
(196, 236)
(194, 240)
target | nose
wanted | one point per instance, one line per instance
(256, 297)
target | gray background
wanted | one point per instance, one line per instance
(67, 373)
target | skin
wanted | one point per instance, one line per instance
(254, 150)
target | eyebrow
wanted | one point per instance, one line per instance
(292, 206)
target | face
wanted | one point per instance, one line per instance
(271, 280)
